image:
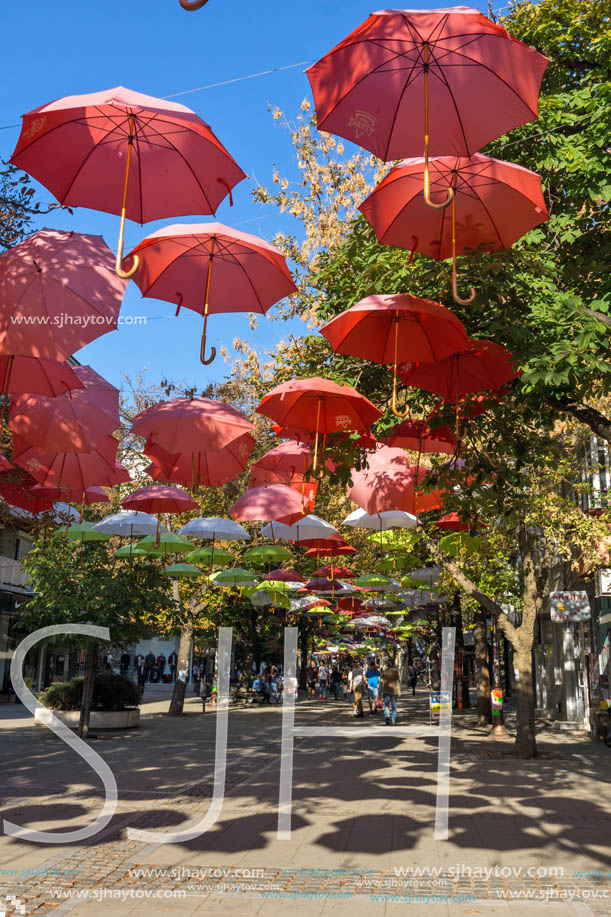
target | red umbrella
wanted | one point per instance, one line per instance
(193, 425)
(494, 204)
(389, 482)
(194, 469)
(351, 603)
(284, 576)
(65, 285)
(67, 495)
(176, 265)
(277, 503)
(289, 458)
(126, 153)
(482, 366)
(375, 87)
(73, 422)
(333, 546)
(37, 376)
(418, 436)
(156, 498)
(452, 522)
(319, 405)
(17, 495)
(387, 328)
(74, 470)
(335, 572)
(117, 474)
(5, 465)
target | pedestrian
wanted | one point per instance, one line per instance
(312, 679)
(373, 679)
(323, 676)
(141, 681)
(389, 683)
(335, 681)
(274, 685)
(356, 680)
(413, 680)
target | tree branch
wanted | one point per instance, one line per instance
(584, 413)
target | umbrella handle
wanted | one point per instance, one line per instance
(457, 298)
(192, 5)
(125, 275)
(427, 177)
(207, 360)
(400, 414)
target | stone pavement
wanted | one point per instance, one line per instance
(362, 820)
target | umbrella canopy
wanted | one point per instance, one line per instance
(452, 522)
(132, 550)
(276, 501)
(373, 582)
(426, 574)
(323, 586)
(393, 563)
(74, 471)
(126, 524)
(182, 571)
(83, 531)
(36, 375)
(420, 437)
(15, 494)
(159, 499)
(335, 572)
(72, 422)
(267, 554)
(285, 463)
(386, 328)
(291, 577)
(376, 85)
(389, 481)
(308, 527)
(194, 424)
(211, 268)
(126, 153)
(482, 366)
(200, 467)
(380, 522)
(89, 496)
(210, 556)
(169, 543)
(397, 540)
(332, 546)
(234, 577)
(458, 544)
(49, 277)
(214, 528)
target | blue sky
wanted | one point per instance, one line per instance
(153, 46)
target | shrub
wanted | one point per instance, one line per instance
(110, 692)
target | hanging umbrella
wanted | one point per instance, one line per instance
(196, 425)
(335, 572)
(386, 329)
(459, 543)
(200, 467)
(266, 554)
(132, 550)
(429, 575)
(290, 577)
(397, 540)
(72, 422)
(331, 546)
(276, 501)
(72, 470)
(210, 557)
(320, 406)
(17, 495)
(215, 529)
(268, 597)
(306, 528)
(452, 522)
(480, 367)
(210, 268)
(127, 524)
(494, 203)
(234, 578)
(82, 531)
(182, 571)
(389, 481)
(373, 582)
(377, 85)
(324, 586)
(418, 436)
(393, 563)
(126, 153)
(52, 276)
(380, 522)
(169, 543)
(36, 375)
(350, 604)
(89, 496)
(286, 463)
(159, 499)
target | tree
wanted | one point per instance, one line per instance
(19, 209)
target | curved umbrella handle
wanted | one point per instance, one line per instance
(126, 275)
(427, 177)
(206, 360)
(457, 298)
(192, 5)
(427, 190)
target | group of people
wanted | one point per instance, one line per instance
(267, 685)
(382, 686)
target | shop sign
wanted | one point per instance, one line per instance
(566, 607)
(440, 703)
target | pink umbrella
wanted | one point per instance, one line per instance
(376, 86)
(117, 474)
(74, 470)
(126, 153)
(389, 481)
(16, 494)
(284, 576)
(277, 503)
(204, 467)
(5, 465)
(73, 422)
(37, 376)
(65, 285)
(176, 265)
(418, 436)
(191, 424)
(67, 495)
(155, 498)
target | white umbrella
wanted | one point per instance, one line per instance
(380, 522)
(427, 574)
(128, 523)
(215, 528)
(303, 530)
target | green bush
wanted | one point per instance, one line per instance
(110, 692)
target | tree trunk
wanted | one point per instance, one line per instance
(460, 658)
(585, 413)
(482, 672)
(303, 670)
(526, 744)
(91, 664)
(184, 659)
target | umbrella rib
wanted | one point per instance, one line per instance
(84, 160)
(197, 181)
(490, 217)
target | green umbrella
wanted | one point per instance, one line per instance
(372, 581)
(395, 540)
(318, 610)
(180, 571)
(395, 562)
(408, 582)
(267, 554)
(82, 531)
(459, 543)
(210, 557)
(130, 550)
(168, 543)
(234, 577)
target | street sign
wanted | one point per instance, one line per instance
(566, 607)
(441, 702)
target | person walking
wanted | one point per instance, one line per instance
(389, 683)
(357, 685)
(373, 680)
(323, 677)
(274, 685)
(335, 681)
(413, 680)
(312, 679)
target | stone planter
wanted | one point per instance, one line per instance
(99, 719)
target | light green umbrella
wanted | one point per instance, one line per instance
(267, 554)
(408, 582)
(82, 531)
(168, 543)
(394, 563)
(210, 557)
(459, 543)
(373, 582)
(182, 571)
(395, 540)
(234, 578)
(132, 550)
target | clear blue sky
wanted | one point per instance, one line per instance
(66, 47)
